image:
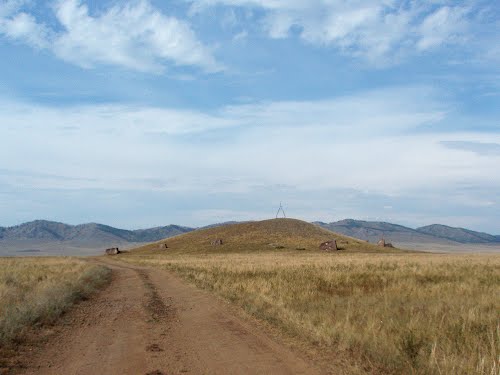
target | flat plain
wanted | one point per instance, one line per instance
(365, 313)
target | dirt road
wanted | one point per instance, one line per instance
(148, 321)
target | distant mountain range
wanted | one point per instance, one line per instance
(51, 237)
(48, 237)
(53, 231)
(433, 234)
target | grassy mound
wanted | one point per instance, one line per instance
(267, 235)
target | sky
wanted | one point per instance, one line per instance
(141, 113)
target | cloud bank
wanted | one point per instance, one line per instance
(386, 141)
(132, 35)
(381, 155)
(379, 31)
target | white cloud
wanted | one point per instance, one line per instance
(24, 27)
(9, 7)
(377, 30)
(240, 36)
(479, 148)
(21, 26)
(134, 35)
(378, 112)
(445, 25)
(364, 142)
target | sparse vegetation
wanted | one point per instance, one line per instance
(422, 314)
(399, 313)
(260, 236)
(38, 290)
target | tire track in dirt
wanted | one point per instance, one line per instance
(156, 306)
(159, 314)
(150, 322)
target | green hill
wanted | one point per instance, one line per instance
(267, 235)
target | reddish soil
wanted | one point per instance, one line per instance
(148, 321)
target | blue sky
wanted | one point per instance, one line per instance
(144, 113)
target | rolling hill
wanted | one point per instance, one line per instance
(267, 235)
(433, 234)
(48, 237)
(458, 234)
(44, 237)
(53, 231)
(373, 231)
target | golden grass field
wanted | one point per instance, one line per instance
(38, 290)
(371, 310)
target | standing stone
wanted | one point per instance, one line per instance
(113, 251)
(329, 246)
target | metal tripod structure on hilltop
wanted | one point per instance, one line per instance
(282, 211)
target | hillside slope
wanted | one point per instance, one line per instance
(461, 235)
(433, 234)
(373, 231)
(44, 230)
(43, 237)
(267, 235)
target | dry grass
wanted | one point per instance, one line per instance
(381, 313)
(260, 236)
(38, 290)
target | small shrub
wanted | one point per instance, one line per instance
(411, 345)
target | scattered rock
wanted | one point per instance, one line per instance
(163, 246)
(154, 348)
(277, 246)
(113, 251)
(382, 243)
(217, 242)
(329, 246)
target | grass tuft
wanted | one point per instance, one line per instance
(36, 291)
